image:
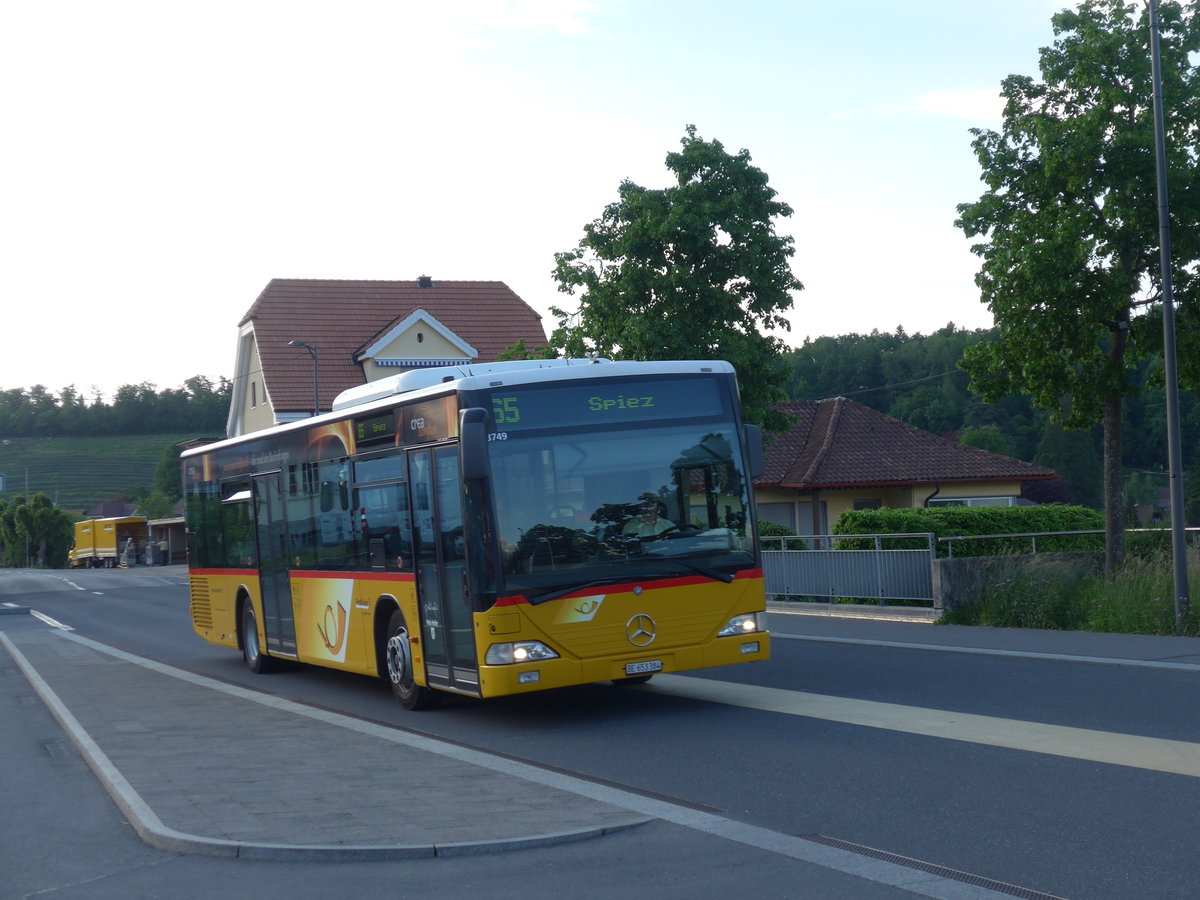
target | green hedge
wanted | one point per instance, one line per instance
(956, 521)
(770, 529)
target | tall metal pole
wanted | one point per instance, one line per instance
(312, 351)
(316, 383)
(1174, 452)
(27, 504)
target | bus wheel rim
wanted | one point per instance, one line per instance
(251, 638)
(399, 659)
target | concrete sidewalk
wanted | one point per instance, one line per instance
(199, 766)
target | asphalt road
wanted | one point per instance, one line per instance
(849, 734)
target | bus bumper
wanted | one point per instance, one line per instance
(499, 681)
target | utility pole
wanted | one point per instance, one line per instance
(1174, 451)
(312, 351)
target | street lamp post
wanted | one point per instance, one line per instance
(1183, 600)
(312, 351)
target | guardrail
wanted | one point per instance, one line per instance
(808, 565)
(815, 569)
(1034, 535)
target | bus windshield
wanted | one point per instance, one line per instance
(620, 504)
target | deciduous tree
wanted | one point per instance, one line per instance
(695, 270)
(1069, 220)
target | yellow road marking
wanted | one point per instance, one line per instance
(1155, 754)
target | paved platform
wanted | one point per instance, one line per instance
(203, 767)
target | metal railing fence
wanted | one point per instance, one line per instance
(807, 566)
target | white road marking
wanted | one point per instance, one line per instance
(1135, 751)
(53, 623)
(987, 651)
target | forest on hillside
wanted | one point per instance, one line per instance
(911, 377)
(915, 378)
(200, 406)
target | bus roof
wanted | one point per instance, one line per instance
(419, 383)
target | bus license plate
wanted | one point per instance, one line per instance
(643, 668)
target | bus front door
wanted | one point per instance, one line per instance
(447, 625)
(271, 531)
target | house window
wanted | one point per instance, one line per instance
(253, 394)
(868, 504)
(972, 501)
(794, 516)
(783, 514)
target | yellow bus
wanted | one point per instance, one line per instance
(489, 529)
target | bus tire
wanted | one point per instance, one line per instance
(257, 661)
(398, 652)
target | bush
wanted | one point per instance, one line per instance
(770, 529)
(965, 521)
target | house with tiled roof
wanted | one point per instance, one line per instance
(841, 455)
(304, 341)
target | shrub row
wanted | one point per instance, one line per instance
(966, 521)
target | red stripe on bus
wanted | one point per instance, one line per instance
(626, 587)
(352, 576)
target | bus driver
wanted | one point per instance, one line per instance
(647, 523)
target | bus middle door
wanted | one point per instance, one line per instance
(447, 624)
(271, 531)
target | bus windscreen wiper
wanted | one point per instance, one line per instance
(713, 574)
(562, 592)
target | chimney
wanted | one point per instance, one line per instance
(424, 281)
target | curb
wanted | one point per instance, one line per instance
(151, 829)
(856, 611)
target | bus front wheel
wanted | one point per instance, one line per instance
(400, 667)
(258, 662)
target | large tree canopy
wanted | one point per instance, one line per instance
(1069, 219)
(33, 531)
(691, 271)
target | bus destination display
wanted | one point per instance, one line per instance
(604, 404)
(375, 429)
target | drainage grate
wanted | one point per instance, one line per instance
(999, 887)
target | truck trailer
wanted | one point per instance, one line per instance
(100, 543)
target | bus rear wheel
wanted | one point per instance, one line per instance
(400, 667)
(258, 662)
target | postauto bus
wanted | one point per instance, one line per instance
(489, 529)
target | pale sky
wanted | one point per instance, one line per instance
(164, 161)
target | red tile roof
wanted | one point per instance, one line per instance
(839, 443)
(342, 318)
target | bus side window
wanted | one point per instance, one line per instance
(238, 528)
(337, 541)
(382, 522)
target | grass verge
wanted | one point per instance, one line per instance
(1140, 600)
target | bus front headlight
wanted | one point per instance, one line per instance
(518, 652)
(747, 624)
